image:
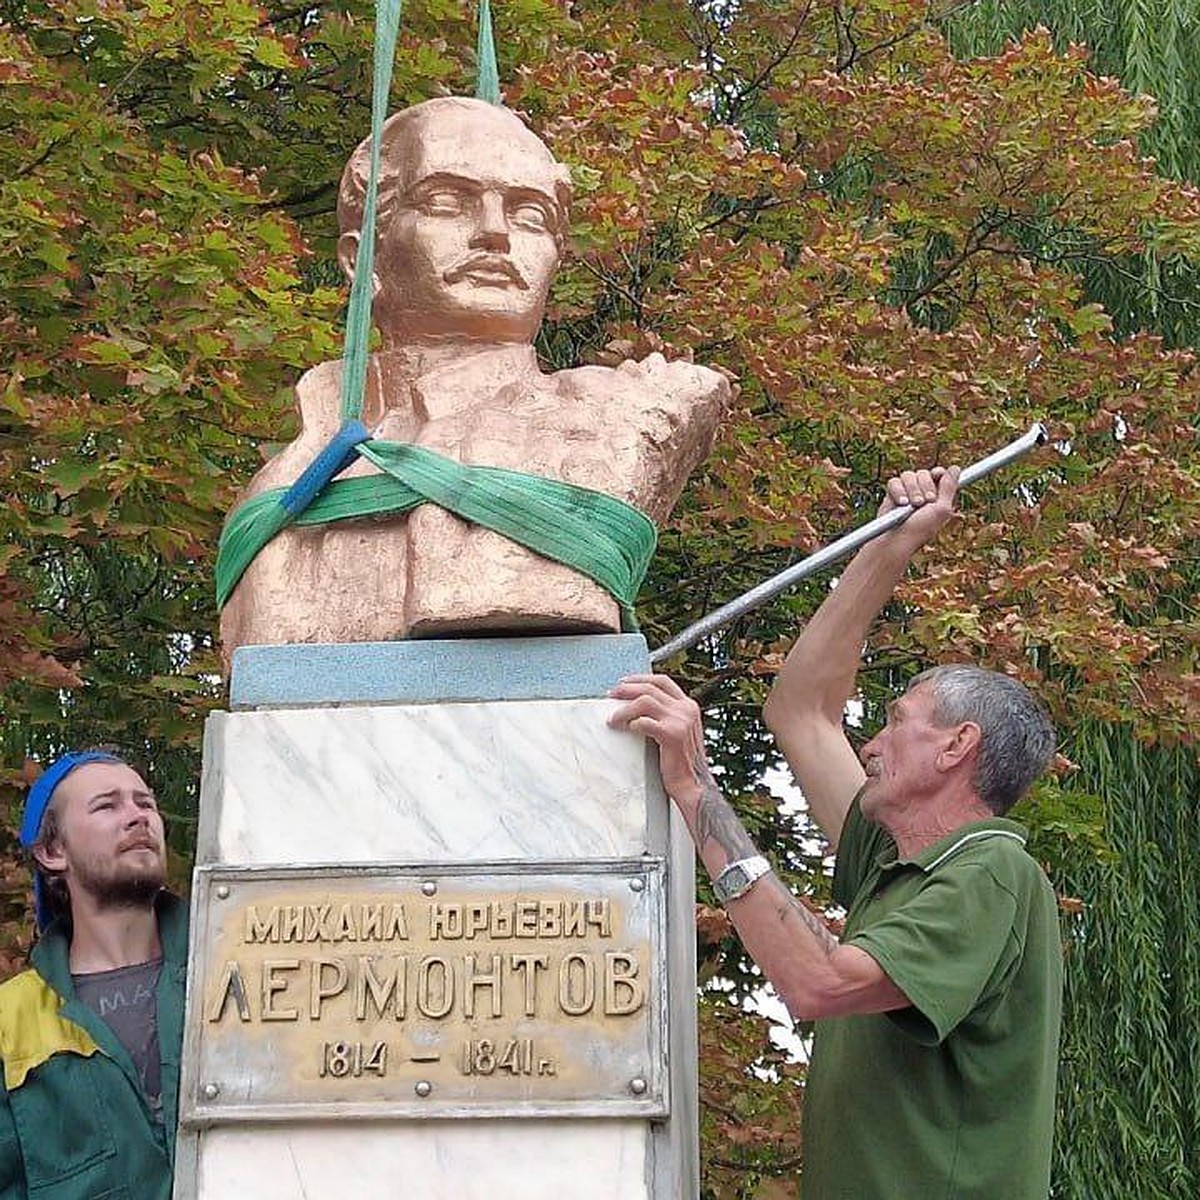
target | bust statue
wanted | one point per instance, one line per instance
(472, 220)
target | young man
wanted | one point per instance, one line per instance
(938, 1011)
(90, 1035)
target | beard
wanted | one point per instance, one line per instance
(127, 892)
(123, 884)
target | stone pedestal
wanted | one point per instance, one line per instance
(442, 933)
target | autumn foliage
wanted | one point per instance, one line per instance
(903, 255)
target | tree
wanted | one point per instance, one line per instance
(1129, 1051)
(1145, 44)
(1131, 1091)
(152, 309)
(895, 249)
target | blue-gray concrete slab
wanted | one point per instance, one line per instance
(428, 672)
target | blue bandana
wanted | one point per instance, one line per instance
(36, 804)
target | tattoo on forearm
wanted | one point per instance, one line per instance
(716, 819)
(792, 907)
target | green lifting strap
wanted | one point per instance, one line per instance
(602, 537)
(358, 313)
(487, 77)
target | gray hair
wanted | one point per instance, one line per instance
(1017, 740)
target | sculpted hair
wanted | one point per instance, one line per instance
(1017, 740)
(352, 193)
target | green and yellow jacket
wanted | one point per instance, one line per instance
(74, 1121)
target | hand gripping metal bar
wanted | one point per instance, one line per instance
(770, 588)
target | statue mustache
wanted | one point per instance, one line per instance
(492, 263)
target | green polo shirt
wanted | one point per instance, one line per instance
(951, 1098)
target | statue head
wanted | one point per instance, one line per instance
(472, 216)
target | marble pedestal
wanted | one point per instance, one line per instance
(483, 765)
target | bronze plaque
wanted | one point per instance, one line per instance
(480, 990)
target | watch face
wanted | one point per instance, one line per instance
(731, 882)
(738, 877)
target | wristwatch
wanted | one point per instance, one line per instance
(739, 877)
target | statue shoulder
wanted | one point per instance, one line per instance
(656, 421)
(653, 383)
(318, 401)
(681, 393)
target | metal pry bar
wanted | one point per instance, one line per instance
(770, 588)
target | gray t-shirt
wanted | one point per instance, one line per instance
(125, 999)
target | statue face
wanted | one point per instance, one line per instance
(471, 248)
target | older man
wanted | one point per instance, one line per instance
(90, 1034)
(473, 218)
(934, 1063)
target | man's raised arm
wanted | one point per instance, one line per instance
(806, 706)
